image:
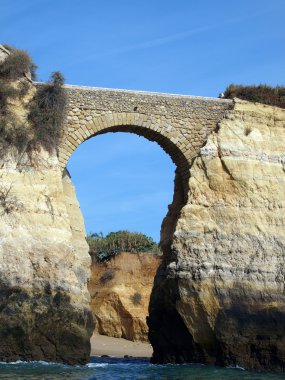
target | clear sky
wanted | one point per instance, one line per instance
(183, 46)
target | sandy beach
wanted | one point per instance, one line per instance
(118, 347)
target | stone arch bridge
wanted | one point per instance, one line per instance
(218, 296)
(223, 241)
(180, 124)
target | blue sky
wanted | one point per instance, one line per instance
(183, 46)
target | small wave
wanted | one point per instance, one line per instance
(96, 365)
(235, 366)
(12, 363)
(33, 362)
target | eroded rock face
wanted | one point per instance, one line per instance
(222, 284)
(120, 292)
(44, 301)
(44, 260)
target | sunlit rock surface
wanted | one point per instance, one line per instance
(219, 295)
(120, 292)
(44, 260)
(44, 302)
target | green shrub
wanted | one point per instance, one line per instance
(7, 91)
(16, 65)
(107, 276)
(103, 249)
(47, 111)
(14, 134)
(274, 96)
(56, 79)
(136, 298)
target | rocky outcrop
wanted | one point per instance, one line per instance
(44, 260)
(222, 283)
(120, 291)
(44, 302)
(3, 53)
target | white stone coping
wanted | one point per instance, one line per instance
(163, 94)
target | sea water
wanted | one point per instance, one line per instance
(125, 369)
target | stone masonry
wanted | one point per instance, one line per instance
(180, 124)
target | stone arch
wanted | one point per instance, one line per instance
(148, 126)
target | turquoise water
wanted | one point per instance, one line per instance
(124, 369)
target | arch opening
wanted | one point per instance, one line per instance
(169, 222)
(157, 134)
(175, 154)
(173, 143)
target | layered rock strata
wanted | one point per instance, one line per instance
(44, 260)
(44, 302)
(120, 291)
(222, 282)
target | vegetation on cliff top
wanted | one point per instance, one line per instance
(104, 248)
(45, 110)
(273, 96)
(17, 64)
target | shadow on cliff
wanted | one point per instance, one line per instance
(167, 332)
(43, 326)
(249, 329)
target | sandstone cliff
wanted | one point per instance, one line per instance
(120, 292)
(44, 260)
(222, 282)
(218, 296)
